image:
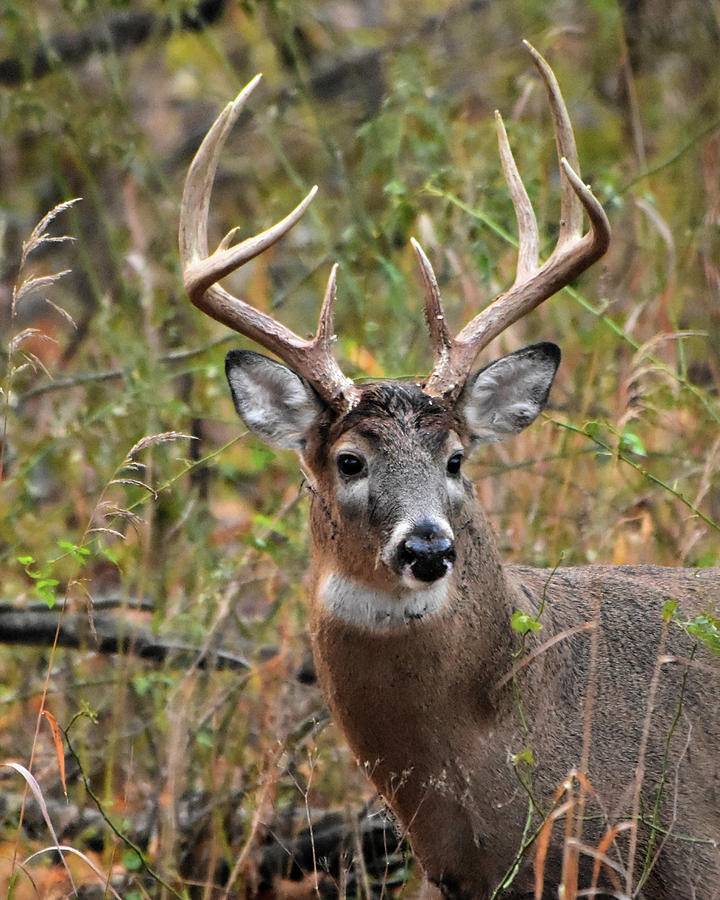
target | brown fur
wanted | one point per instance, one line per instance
(423, 712)
(410, 603)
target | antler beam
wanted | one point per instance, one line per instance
(312, 359)
(534, 283)
(453, 356)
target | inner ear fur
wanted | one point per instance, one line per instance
(274, 402)
(507, 395)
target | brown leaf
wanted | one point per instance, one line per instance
(59, 749)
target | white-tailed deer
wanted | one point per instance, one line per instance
(439, 697)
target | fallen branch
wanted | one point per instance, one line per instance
(62, 384)
(111, 634)
(119, 32)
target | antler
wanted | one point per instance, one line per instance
(312, 359)
(453, 356)
(534, 283)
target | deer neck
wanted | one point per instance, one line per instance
(409, 679)
(465, 613)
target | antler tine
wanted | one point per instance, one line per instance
(573, 253)
(571, 211)
(528, 237)
(199, 180)
(312, 359)
(326, 323)
(440, 337)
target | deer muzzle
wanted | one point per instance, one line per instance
(425, 552)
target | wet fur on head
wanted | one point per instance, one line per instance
(397, 403)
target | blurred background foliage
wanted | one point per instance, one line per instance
(388, 107)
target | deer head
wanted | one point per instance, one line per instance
(348, 436)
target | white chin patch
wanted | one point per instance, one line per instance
(369, 608)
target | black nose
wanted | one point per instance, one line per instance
(427, 551)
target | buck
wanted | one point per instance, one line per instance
(587, 753)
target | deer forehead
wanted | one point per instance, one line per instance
(394, 420)
(399, 445)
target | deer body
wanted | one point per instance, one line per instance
(421, 700)
(441, 700)
(437, 740)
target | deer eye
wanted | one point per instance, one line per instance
(350, 464)
(454, 463)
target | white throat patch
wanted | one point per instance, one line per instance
(366, 607)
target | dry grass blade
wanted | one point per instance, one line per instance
(640, 770)
(613, 869)
(25, 335)
(112, 531)
(154, 439)
(29, 875)
(32, 783)
(600, 856)
(572, 845)
(32, 285)
(136, 483)
(110, 511)
(649, 348)
(661, 227)
(537, 651)
(133, 465)
(63, 312)
(35, 363)
(543, 839)
(67, 849)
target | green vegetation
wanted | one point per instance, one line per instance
(126, 481)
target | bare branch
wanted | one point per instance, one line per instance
(113, 635)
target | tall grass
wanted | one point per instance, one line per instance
(391, 114)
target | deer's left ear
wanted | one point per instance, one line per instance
(507, 395)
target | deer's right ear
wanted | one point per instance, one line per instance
(275, 403)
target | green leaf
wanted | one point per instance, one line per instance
(142, 684)
(523, 623)
(131, 861)
(44, 590)
(707, 630)
(592, 429)
(89, 711)
(108, 553)
(261, 456)
(395, 188)
(78, 553)
(26, 560)
(668, 610)
(204, 738)
(631, 443)
(523, 757)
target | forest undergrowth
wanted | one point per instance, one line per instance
(159, 718)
